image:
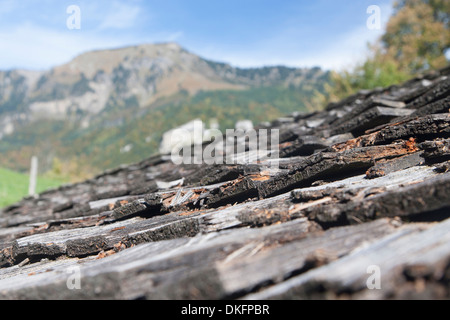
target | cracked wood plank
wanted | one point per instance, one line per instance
(202, 266)
(405, 261)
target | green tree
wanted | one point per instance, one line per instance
(418, 34)
(416, 39)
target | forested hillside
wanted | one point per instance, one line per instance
(110, 107)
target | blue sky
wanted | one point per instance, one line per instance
(248, 33)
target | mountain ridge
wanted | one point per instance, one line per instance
(109, 88)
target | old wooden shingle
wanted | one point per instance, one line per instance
(361, 185)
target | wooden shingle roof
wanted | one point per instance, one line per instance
(361, 187)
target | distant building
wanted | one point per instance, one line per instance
(126, 148)
(197, 134)
(245, 125)
(178, 137)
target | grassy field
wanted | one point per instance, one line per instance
(14, 186)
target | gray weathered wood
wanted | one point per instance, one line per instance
(397, 257)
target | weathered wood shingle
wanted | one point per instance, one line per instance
(363, 184)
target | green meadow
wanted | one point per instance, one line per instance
(14, 186)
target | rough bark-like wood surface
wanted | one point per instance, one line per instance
(363, 184)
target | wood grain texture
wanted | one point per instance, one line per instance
(363, 183)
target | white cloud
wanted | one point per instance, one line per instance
(31, 47)
(175, 36)
(28, 45)
(8, 6)
(344, 51)
(340, 52)
(120, 16)
(347, 50)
